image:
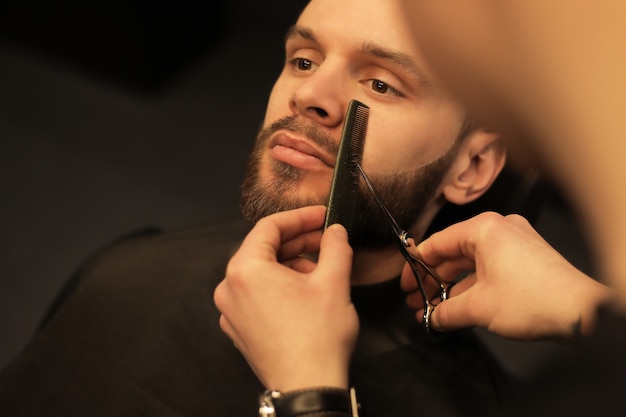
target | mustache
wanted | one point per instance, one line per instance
(311, 131)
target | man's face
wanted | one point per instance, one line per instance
(339, 51)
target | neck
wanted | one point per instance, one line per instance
(372, 266)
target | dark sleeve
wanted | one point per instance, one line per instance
(587, 380)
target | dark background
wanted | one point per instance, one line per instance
(137, 113)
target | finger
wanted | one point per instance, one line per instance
(463, 239)
(460, 239)
(335, 258)
(519, 221)
(455, 313)
(449, 270)
(415, 300)
(449, 243)
(264, 240)
(409, 284)
(301, 264)
(462, 285)
(293, 223)
(407, 279)
(305, 243)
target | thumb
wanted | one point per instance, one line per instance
(335, 256)
(453, 313)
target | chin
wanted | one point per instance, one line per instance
(264, 198)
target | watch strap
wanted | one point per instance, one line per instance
(314, 402)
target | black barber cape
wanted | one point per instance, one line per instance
(136, 333)
(587, 379)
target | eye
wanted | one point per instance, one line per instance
(381, 87)
(303, 64)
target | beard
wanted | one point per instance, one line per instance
(405, 194)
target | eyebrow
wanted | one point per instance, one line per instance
(399, 59)
(369, 48)
(296, 31)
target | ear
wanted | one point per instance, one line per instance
(480, 159)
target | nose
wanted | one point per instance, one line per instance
(321, 97)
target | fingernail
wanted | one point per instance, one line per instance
(339, 229)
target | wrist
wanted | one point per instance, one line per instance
(597, 295)
(312, 402)
(299, 376)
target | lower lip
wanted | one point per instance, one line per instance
(296, 158)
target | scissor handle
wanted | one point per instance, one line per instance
(429, 308)
(431, 333)
(409, 241)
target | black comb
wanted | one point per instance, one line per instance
(346, 176)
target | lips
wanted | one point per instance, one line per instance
(299, 152)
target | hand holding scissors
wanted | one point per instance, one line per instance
(516, 284)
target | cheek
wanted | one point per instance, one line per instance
(278, 103)
(393, 149)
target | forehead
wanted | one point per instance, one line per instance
(353, 22)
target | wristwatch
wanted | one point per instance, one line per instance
(327, 402)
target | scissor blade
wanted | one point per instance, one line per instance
(392, 222)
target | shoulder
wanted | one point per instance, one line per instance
(202, 244)
(151, 266)
(213, 235)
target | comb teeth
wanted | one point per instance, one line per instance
(346, 176)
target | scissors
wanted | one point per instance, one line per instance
(405, 241)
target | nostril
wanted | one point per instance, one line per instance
(320, 112)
